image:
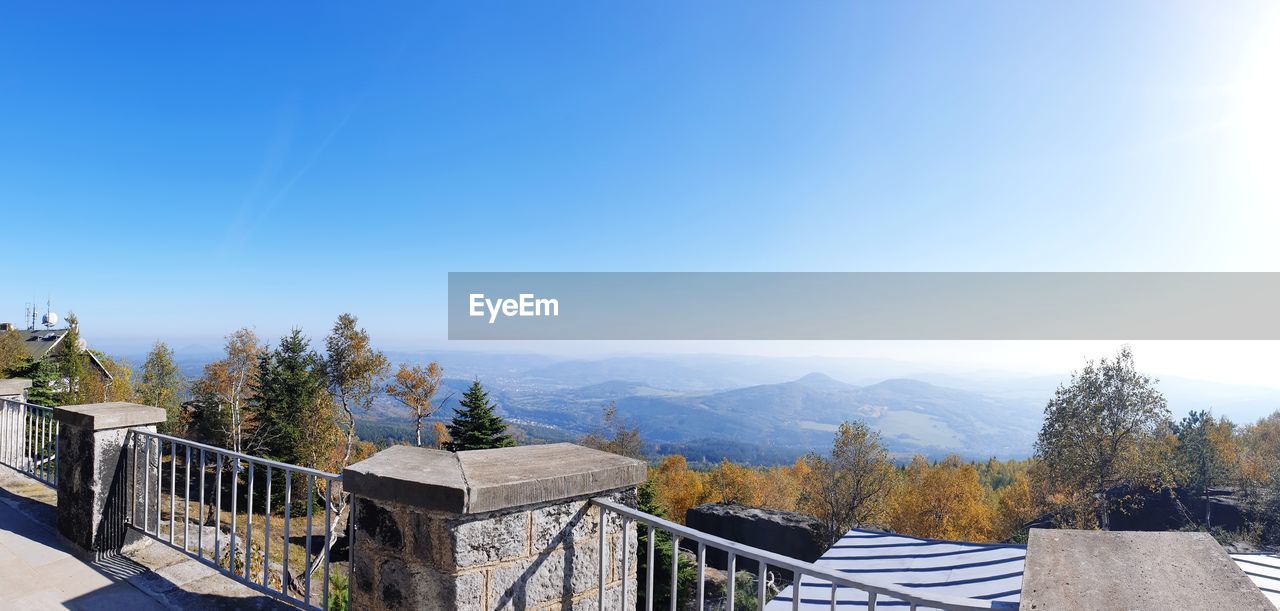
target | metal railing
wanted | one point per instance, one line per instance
(220, 486)
(29, 440)
(764, 561)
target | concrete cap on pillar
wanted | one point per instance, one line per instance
(103, 416)
(480, 481)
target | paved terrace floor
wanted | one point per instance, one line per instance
(39, 570)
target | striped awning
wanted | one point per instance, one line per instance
(949, 568)
(1264, 570)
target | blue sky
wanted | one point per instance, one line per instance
(178, 170)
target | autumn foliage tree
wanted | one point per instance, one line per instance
(355, 370)
(941, 501)
(415, 386)
(161, 385)
(847, 487)
(1103, 432)
(219, 412)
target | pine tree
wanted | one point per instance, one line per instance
(475, 425)
(71, 363)
(290, 380)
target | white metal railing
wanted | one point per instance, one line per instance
(29, 440)
(763, 559)
(209, 479)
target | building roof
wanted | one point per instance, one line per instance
(40, 344)
(949, 568)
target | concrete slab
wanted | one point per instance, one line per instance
(528, 475)
(114, 415)
(42, 572)
(1136, 571)
(416, 477)
(481, 481)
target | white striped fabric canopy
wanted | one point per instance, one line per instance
(1264, 570)
(949, 568)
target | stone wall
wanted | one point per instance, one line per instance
(540, 552)
(542, 558)
(92, 471)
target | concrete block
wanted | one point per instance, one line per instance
(483, 481)
(1136, 571)
(102, 416)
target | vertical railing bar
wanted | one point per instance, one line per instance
(328, 531)
(266, 520)
(132, 439)
(286, 576)
(159, 482)
(648, 582)
(200, 518)
(834, 588)
(217, 510)
(37, 466)
(306, 566)
(626, 559)
(5, 410)
(351, 544)
(235, 498)
(248, 529)
(795, 590)
(871, 601)
(34, 464)
(702, 563)
(732, 567)
(46, 465)
(675, 567)
(146, 489)
(761, 586)
(186, 503)
(173, 488)
(601, 558)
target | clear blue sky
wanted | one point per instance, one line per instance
(178, 170)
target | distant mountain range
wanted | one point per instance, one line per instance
(778, 408)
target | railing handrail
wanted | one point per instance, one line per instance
(26, 404)
(240, 455)
(799, 567)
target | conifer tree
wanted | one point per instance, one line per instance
(475, 425)
(289, 382)
(71, 363)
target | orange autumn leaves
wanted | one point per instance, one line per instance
(948, 499)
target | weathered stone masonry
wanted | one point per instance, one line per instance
(91, 491)
(492, 529)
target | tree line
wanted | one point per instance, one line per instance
(1108, 444)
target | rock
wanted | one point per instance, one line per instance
(790, 534)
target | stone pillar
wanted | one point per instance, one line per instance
(91, 469)
(511, 528)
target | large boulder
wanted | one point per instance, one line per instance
(790, 534)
